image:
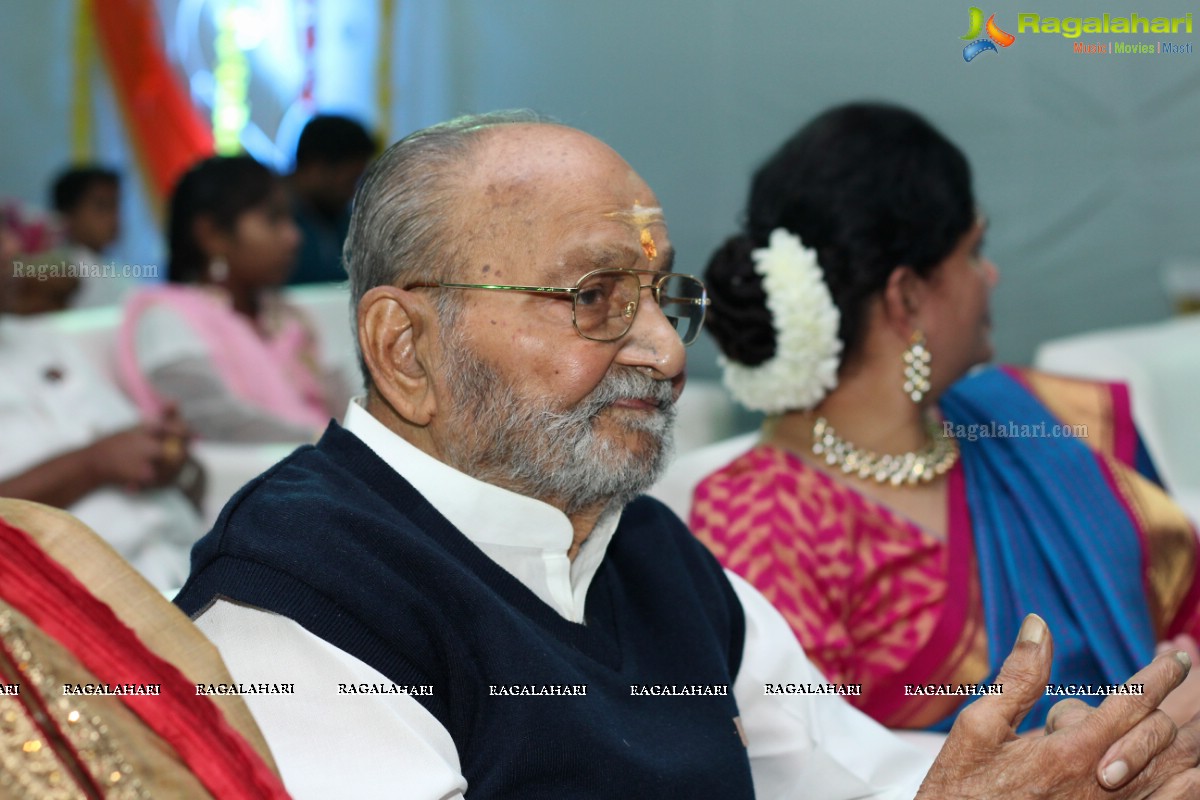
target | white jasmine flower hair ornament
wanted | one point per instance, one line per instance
(807, 348)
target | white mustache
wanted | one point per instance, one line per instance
(629, 384)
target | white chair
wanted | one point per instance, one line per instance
(705, 415)
(328, 307)
(676, 486)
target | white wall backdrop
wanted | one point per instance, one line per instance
(1088, 165)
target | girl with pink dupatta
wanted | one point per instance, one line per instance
(903, 514)
(217, 340)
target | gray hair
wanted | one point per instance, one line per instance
(397, 229)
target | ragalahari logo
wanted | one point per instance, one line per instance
(995, 36)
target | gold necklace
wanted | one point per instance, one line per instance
(910, 468)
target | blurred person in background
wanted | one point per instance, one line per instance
(70, 439)
(331, 156)
(218, 340)
(87, 199)
(36, 275)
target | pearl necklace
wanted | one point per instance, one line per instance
(910, 468)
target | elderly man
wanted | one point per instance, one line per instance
(458, 593)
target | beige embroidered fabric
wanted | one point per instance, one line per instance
(55, 745)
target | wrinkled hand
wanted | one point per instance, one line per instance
(145, 456)
(1126, 748)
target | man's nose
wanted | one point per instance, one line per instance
(652, 340)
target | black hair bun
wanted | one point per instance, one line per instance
(738, 317)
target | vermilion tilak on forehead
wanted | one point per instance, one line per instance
(642, 217)
(648, 244)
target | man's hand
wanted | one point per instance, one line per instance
(145, 456)
(1126, 748)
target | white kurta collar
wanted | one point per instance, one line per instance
(526, 537)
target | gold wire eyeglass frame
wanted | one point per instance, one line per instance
(630, 311)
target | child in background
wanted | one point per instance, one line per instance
(87, 198)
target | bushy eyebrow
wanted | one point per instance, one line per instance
(584, 259)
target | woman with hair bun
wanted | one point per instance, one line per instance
(903, 514)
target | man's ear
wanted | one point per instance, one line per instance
(903, 295)
(394, 328)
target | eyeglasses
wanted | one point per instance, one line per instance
(605, 302)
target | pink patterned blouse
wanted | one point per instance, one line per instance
(862, 587)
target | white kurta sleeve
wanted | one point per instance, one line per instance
(810, 745)
(328, 743)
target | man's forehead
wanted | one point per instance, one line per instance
(536, 189)
(550, 174)
(528, 163)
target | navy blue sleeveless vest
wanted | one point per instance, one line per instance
(333, 538)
